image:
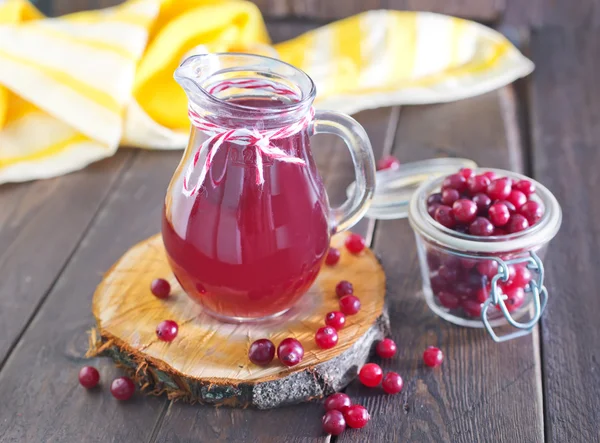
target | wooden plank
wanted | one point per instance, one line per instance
(542, 13)
(41, 223)
(483, 391)
(42, 400)
(565, 105)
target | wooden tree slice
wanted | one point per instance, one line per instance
(208, 361)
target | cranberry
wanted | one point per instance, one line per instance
(499, 231)
(515, 298)
(335, 319)
(467, 173)
(167, 330)
(481, 227)
(517, 198)
(455, 181)
(388, 162)
(489, 268)
(437, 283)
(444, 216)
(525, 186)
(519, 276)
(449, 196)
(467, 263)
(344, 288)
(509, 205)
(333, 257)
(89, 377)
(122, 388)
(370, 375)
(448, 300)
(334, 422)
(326, 337)
(471, 307)
(463, 289)
(434, 198)
(499, 189)
(517, 223)
(261, 352)
(482, 295)
(392, 383)
(355, 243)
(491, 175)
(160, 288)
(498, 214)
(337, 402)
(478, 184)
(357, 416)
(483, 203)
(349, 304)
(448, 273)
(432, 208)
(532, 211)
(464, 210)
(290, 352)
(433, 259)
(386, 348)
(433, 357)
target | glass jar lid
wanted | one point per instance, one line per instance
(395, 187)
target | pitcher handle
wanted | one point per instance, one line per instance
(357, 141)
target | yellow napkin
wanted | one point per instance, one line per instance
(73, 88)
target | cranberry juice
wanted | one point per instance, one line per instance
(245, 250)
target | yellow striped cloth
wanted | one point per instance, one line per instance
(74, 88)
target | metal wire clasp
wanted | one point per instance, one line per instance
(535, 286)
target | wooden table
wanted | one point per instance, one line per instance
(57, 238)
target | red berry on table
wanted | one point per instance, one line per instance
(517, 223)
(489, 268)
(525, 186)
(290, 352)
(335, 319)
(433, 357)
(448, 300)
(344, 287)
(326, 337)
(261, 352)
(167, 330)
(89, 377)
(455, 181)
(532, 211)
(464, 210)
(499, 214)
(444, 216)
(370, 375)
(334, 422)
(357, 416)
(388, 162)
(491, 175)
(392, 383)
(499, 189)
(517, 198)
(355, 243)
(122, 388)
(386, 348)
(483, 203)
(333, 256)
(449, 196)
(160, 288)
(471, 307)
(337, 402)
(466, 173)
(481, 227)
(349, 304)
(478, 184)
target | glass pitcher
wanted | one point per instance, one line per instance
(247, 222)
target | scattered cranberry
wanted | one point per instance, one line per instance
(467, 173)
(326, 337)
(388, 162)
(89, 377)
(392, 383)
(386, 348)
(370, 375)
(335, 319)
(334, 422)
(167, 330)
(290, 352)
(498, 214)
(464, 210)
(532, 211)
(478, 184)
(499, 189)
(357, 416)
(481, 227)
(122, 388)
(160, 288)
(349, 304)
(337, 402)
(344, 288)
(517, 223)
(433, 357)
(355, 243)
(449, 196)
(525, 186)
(517, 198)
(333, 256)
(261, 352)
(444, 216)
(483, 203)
(448, 300)
(455, 181)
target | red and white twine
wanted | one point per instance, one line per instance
(259, 139)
